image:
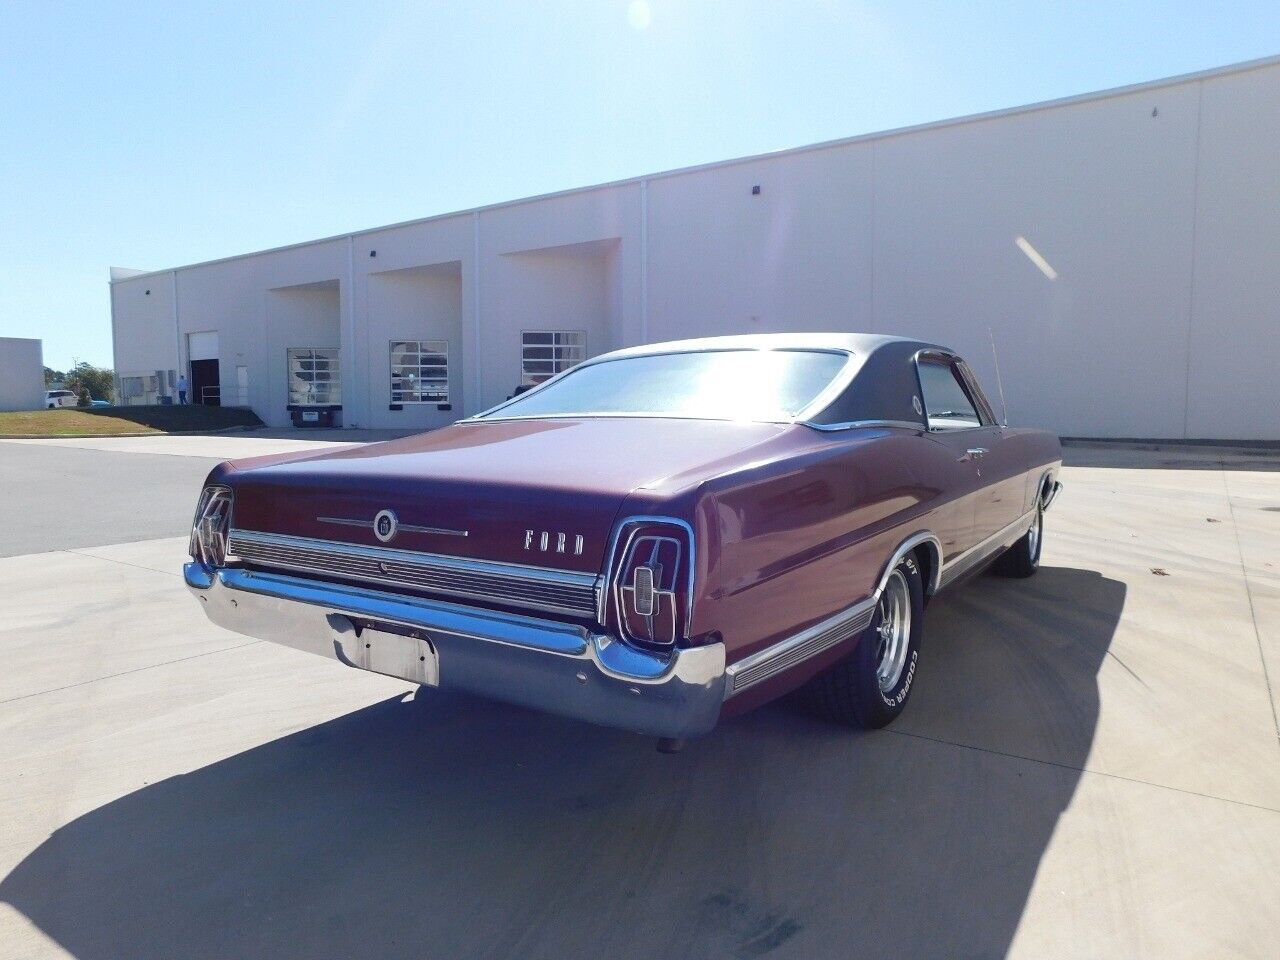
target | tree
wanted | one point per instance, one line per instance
(99, 382)
(52, 376)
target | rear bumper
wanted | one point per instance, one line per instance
(548, 665)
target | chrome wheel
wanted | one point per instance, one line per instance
(893, 635)
(1033, 536)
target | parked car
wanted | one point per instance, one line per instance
(656, 538)
(60, 398)
(99, 403)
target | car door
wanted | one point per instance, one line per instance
(955, 424)
(1000, 466)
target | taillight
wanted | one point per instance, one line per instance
(209, 529)
(652, 581)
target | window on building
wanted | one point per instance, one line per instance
(419, 371)
(544, 353)
(314, 377)
(137, 389)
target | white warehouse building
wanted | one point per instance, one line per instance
(1122, 249)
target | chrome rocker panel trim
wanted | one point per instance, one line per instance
(811, 641)
(771, 661)
(986, 549)
(556, 667)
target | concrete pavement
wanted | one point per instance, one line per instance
(1090, 766)
(66, 493)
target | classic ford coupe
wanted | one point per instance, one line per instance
(653, 539)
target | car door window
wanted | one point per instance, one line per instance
(946, 402)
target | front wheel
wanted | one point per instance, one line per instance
(870, 687)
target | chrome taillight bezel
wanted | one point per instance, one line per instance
(673, 536)
(210, 527)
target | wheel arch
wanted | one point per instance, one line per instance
(1047, 489)
(928, 548)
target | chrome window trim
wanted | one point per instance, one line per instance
(952, 360)
(567, 582)
(986, 412)
(856, 424)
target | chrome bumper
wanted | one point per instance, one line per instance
(548, 665)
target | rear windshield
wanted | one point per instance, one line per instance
(761, 385)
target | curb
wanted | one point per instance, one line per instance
(1264, 447)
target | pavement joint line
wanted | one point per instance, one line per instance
(125, 673)
(1253, 613)
(83, 552)
(1075, 769)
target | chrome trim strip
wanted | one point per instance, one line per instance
(544, 664)
(1006, 536)
(907, 545)
(948, 357)
(793, 650)
(808, 643)
(856, 424)
(536, 588)
(405, 527)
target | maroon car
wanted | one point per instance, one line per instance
(656, 538)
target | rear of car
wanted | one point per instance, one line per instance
(636, 542)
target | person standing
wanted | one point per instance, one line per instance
(182, 389)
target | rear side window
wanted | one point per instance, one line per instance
(946, 402)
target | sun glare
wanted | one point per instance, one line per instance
(639, 13)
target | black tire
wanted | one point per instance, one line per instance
(851, 691)
(1022, 559)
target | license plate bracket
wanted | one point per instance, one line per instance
(412, 658)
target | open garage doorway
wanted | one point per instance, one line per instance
(567, 302)
(306, 368)
(205, 382)
(415, 346)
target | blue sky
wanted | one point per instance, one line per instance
(155, 135)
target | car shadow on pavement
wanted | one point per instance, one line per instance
(453, 827)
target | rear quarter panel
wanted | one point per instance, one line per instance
(800, 536)
(1038, 454)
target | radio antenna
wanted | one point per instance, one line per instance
(1004, 410)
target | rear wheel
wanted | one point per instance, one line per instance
(1023, 558)
(870, 687)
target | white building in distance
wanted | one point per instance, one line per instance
(1121, 248)
(21, 374)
